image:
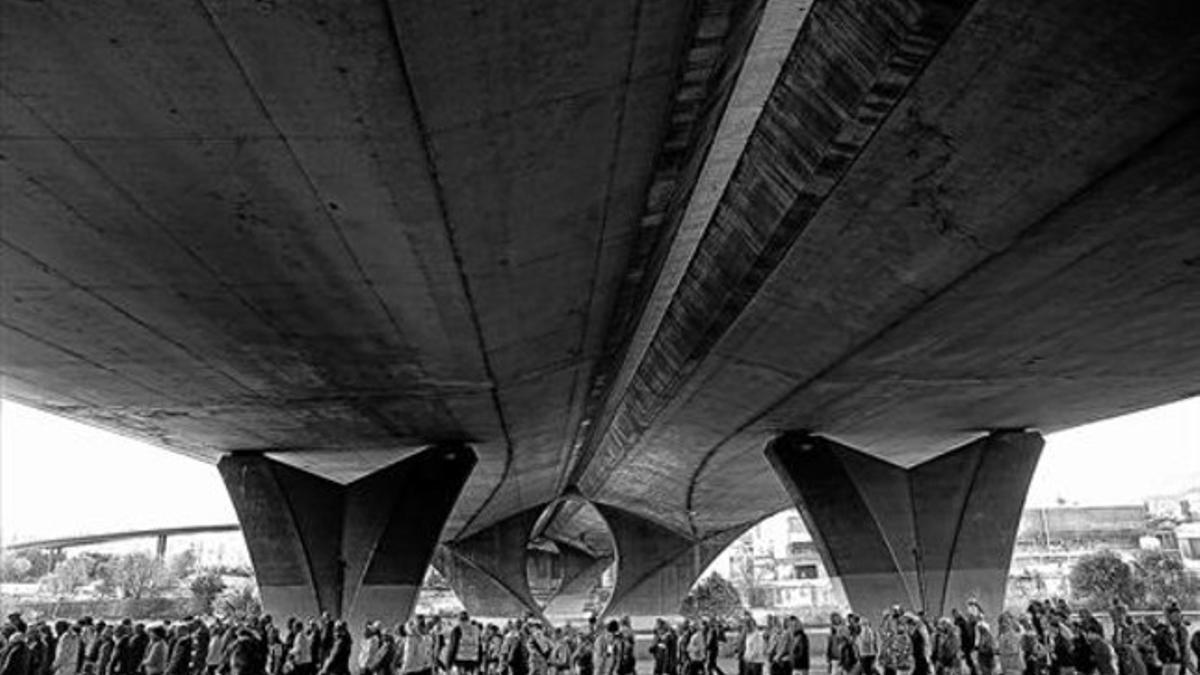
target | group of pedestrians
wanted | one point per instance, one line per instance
(421, 646)
(189, 647)
(691, 648)
(1049, 638)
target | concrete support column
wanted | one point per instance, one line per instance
(656, 566)
(581, 573)
(358, 551)
(487, 569)
(931, 536)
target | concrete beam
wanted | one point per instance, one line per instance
(930, 536)
(487, 569)
(656, 566)
(360, 550)
(861, 57)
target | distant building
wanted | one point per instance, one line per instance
(776, 566)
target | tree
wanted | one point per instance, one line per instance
(14, 568)
(713, 596)
(1099, 578)
(183, 564)
(28, 566)
(1164, 577)
(70, 575)
(44, 561)
(748, 575)
(205, 588)
(239, 603)
(136, 575)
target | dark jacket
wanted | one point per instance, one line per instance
(37, 656)
(123, 662)
(1165, 644)
(104, 656)
(623, 654)
(15, 658)
(665, 650)
(137, 649)
(338, 661)
(325, 642)
(180, 660)
(199, 651)
(800, 656)
(51, 644)
(518, 658)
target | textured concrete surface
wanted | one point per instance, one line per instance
(655, 566)
(581, 574)
(360, 550)
(931, 536)
(488, 571)
(615, 247)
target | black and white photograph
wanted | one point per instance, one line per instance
(599, 337)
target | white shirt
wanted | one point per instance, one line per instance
(755, 648)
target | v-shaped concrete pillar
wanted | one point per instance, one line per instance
(487, 569)
(656, 566)
(929, 537)
(358, 551)
(581, 573)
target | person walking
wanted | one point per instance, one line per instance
(665, 648)
(695, 653)
(838, 635)
(414, 654)
(866, 645)
(106, 644)
(560, 653)
(179, 660)
(895, 645)
(303, 654)
(155, 660)
(1103, 657)
(276, 652)
(754, 655)
(69, 651)
(714, 636)
(800, 648)
(947, 648)
(918, 636)
(14, 659)
(200, 638)
(779, 647)
(38, 656)
(465, 646)
(1010, 651)
(368, 649)
(539, 648)
(247, 654)
(216, 649)
(583, 658)
(123, 662)
(338, 660)
(1178, 629)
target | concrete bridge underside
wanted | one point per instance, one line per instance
(632, 254)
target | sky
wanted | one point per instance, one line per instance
(62, 478)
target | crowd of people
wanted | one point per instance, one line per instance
(1047, 639)
(422, 646)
